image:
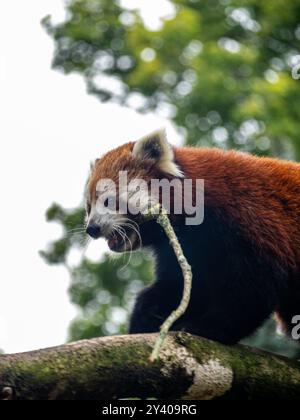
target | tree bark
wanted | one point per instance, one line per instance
(118, 367)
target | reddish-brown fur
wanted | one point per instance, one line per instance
(260, 196)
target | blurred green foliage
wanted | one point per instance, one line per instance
(104, 292)
(221, 70)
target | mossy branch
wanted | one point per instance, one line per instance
(160, 215)
(112, 368)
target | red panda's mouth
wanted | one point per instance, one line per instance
(123, 243)
(114, 242)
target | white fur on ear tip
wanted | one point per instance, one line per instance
(149, 143)
(155, 146)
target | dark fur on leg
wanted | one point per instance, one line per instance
(234, 288)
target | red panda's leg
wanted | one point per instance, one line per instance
(150, 310)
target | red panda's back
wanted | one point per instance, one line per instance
(258, 196)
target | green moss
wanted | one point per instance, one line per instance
(114, 370)
(257, 375)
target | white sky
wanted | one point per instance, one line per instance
(50, 130)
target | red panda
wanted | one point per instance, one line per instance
(245, 256)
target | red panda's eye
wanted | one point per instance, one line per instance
(106, 202)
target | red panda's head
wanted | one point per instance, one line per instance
(151, 157)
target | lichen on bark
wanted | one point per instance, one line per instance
(118, 367)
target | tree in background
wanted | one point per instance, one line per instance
(104, 291)
(221, 70)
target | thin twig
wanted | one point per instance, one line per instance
(161, 216)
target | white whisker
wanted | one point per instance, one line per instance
(75, 231)
(130, 243)
(86, 247)
(117, 229)
(136, 230)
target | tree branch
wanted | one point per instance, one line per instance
(118, 367)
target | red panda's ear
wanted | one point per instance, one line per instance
(93, 164)
(155, 146)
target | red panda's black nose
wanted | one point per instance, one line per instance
(93, 231)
